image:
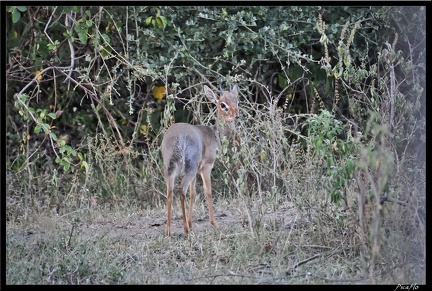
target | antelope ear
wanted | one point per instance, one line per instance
(235, 90)
(211, 95)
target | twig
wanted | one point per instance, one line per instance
(71, 48)
(317, 246)
(46, 26)
(392, 92)
(202, 76)
(290, 269)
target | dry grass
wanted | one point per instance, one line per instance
(276, 224)
(128, 246)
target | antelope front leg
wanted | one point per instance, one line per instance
(205, 175)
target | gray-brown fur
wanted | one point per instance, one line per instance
(186, 147)
(191, 149)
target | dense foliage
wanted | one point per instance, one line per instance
(86, 60)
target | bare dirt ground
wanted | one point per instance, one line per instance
(149, 224)
(139, 224)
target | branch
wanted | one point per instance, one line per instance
(71, 48)
(290, 269)
(392, 87)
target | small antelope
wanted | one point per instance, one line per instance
(190, 149)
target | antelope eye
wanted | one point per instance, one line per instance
(224, 106)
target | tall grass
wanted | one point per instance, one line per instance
(104, 225)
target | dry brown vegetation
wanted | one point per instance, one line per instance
(106, 226)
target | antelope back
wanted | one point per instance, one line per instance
(185, 147)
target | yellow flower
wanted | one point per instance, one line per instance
(159, 92)
(37, 73)
(143, 129)
(84, 165)
(110, 26)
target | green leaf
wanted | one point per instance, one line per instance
(52, 115)
(21, 8)
(282, 81)
(148, 20)
(159, 23)
(106, 51)
(16, 15)
(53, 136)
(68, 148)
(83, 36)
(106, 37)
(163, 20)
(43, 49)
(350, 166)
(89, 23)
(46, 127)
(13, 39)
(37, 129)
